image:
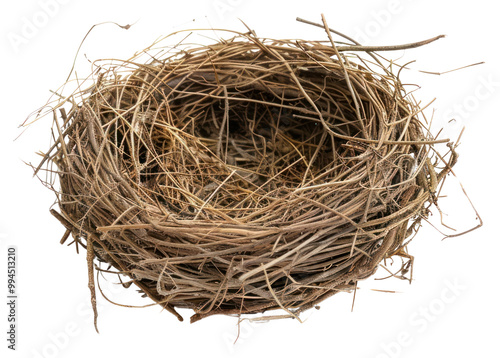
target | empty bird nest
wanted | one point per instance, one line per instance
(247, 175)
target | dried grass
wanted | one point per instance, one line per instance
(248, 175)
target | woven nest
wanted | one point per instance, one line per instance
(248, 175)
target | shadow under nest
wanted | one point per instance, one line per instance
(244, 176)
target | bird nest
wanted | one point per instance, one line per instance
(247, 175)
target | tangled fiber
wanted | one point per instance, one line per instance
(247, 175)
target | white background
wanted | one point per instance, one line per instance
(38, 44)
